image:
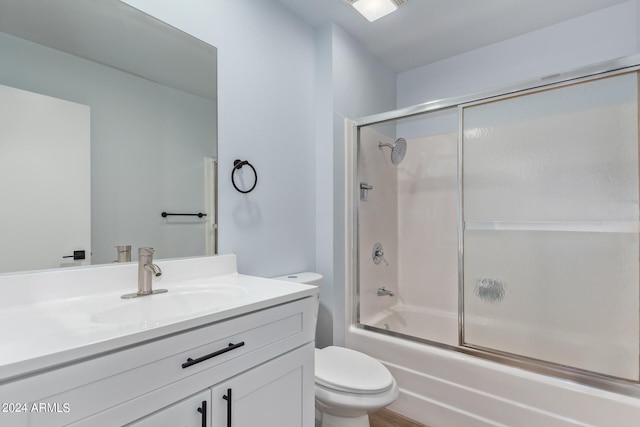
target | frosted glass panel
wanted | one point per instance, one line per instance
(563, 154)
(551, 246)
(564, 297)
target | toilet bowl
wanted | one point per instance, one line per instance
(348, 384)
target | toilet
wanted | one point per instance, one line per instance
(348, 384)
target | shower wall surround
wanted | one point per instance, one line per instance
(516, 236)
(548, 183)
(412, 211)
(378, 224)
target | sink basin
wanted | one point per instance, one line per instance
(178, 302)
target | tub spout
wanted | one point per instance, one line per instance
(384, 292)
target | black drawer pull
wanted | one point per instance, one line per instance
(227, 397)
(191, 362)
(203, 411)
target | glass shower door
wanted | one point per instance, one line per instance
(550, 226)
(408, 228)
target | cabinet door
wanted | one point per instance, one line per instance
(193, 411)
(278, 393)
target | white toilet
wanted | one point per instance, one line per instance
(349, 384)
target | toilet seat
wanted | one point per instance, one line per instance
(349, 371)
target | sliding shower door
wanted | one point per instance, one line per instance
(550, 225)
(408, 228)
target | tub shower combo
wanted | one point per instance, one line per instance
(503, 227)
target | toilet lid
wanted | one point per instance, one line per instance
(350, 371)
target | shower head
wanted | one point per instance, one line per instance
(398, 150)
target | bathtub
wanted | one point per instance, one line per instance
(422, 323)
(443, 387)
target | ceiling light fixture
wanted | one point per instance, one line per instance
(372, 10)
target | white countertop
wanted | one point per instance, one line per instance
(47, 317)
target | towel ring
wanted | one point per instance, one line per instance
(237, 165)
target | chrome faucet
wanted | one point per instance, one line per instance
(124, 253)
(384, 292)
(146, 270)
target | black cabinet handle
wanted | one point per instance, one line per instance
(227, 397)
(191, 362)
(76, 255)
(203, 411)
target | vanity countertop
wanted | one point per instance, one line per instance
(54, 317)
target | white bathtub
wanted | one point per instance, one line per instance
(445, 388)
(419, 322)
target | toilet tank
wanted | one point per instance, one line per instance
(306, 278)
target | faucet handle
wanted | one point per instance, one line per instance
(145, 251)
(378, 254)
(123, 253)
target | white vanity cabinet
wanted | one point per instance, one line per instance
(268, 395)
(190, 412)
(265, 357)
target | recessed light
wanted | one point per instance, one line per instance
(372, 10)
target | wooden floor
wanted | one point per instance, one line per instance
(387, 418)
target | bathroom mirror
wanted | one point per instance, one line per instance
(151, 97)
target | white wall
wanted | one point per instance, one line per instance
(598, 36)
(266, 81)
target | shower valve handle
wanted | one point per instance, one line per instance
(378, 254)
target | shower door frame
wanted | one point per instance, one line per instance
(352, 137)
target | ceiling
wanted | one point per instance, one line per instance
(426, 31)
